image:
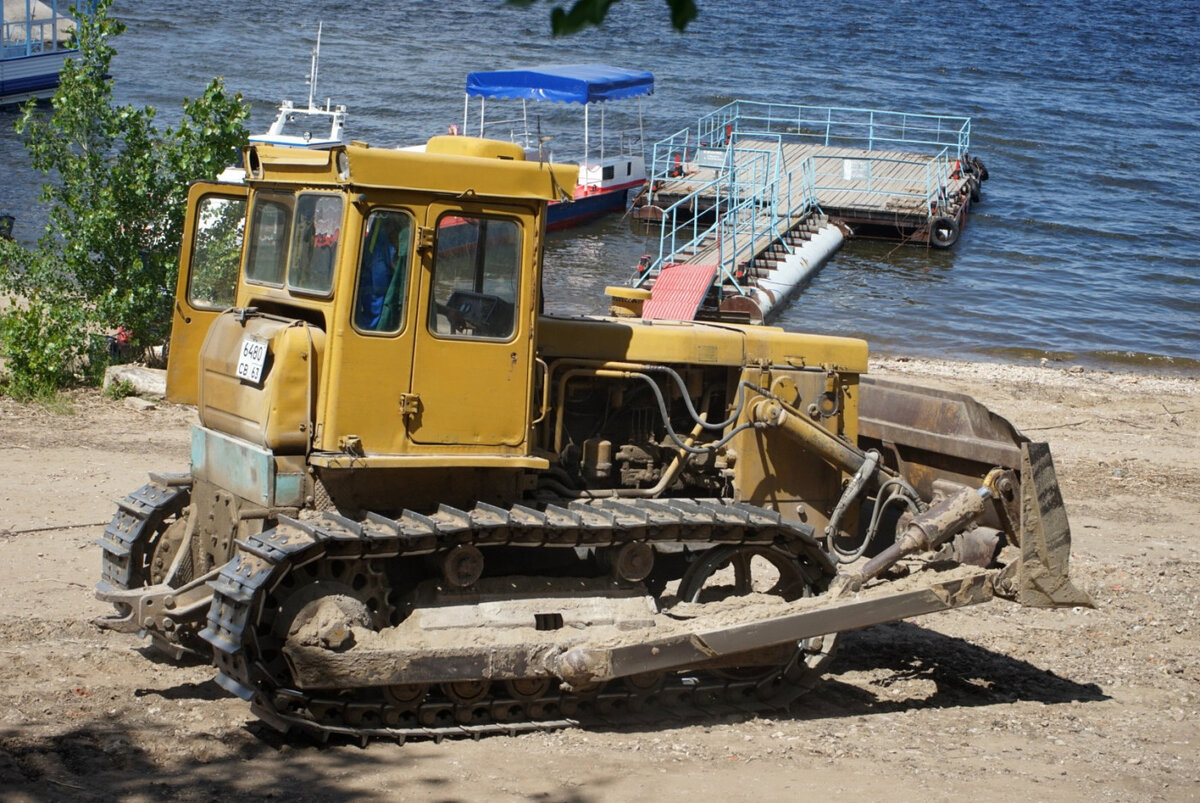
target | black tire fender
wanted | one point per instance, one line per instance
(943, 231)
(977, 163)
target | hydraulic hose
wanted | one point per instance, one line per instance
(853, 489)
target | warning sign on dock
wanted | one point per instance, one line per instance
(855, 169)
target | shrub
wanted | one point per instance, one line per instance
(117, 198)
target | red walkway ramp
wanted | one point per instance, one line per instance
(678, 291)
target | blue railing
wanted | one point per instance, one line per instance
(871, 129)
(29, 35)
(834, 173)
(752, 199)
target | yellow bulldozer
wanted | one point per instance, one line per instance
(419, 505)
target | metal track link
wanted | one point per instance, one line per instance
(241, 641)
(128, 538)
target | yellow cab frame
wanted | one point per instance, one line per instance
(451, 381)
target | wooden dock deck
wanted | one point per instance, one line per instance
(853, 184)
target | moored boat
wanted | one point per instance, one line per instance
(310, 126)
(612, 168)
(303, 127)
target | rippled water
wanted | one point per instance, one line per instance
(1086, 246)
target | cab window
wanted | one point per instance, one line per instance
(383, 272)
(270, 224)
(216, 252)
(315, 235)
(476, 277)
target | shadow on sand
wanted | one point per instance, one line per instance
(963, 674)
(106, 758)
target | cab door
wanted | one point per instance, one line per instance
(209, 260)
(473, 355)
(370, 355)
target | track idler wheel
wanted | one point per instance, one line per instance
(408, 695)
(630, 563)
(462, 566)
(737, 571)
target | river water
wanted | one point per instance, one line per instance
(1085, 248)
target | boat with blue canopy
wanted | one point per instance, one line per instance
(612, 167)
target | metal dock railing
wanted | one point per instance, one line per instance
(737, 189)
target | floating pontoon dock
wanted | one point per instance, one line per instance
(757, 196)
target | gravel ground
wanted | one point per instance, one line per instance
(991, 702)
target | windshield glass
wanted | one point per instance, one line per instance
(315, 236)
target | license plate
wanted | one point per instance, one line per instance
(254, 355)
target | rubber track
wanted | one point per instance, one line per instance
(263, 560)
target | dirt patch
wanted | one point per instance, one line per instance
(990, 701)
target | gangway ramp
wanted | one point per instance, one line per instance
(755, 217)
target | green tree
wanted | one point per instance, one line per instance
(117, 190)
(584, 13)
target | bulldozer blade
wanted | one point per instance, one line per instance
(1045, 536)
(931, 435)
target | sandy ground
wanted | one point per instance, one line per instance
(993, 702)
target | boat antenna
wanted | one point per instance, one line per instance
(312, 71)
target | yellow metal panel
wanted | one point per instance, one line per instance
(189, 324)
(275, 412)
(477, 391)
(496, 176)
(774, 471)
(460, 175)
(638, 341)
(692, 342)
(425, 461)
(279, 164)
(280, 155)
(367, 373)
(474, 146)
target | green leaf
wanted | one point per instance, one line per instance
(588, 13)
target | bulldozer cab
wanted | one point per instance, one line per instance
(415, 277)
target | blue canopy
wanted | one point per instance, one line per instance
(567, 83)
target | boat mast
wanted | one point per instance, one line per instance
(312, 71)
(525, 124)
